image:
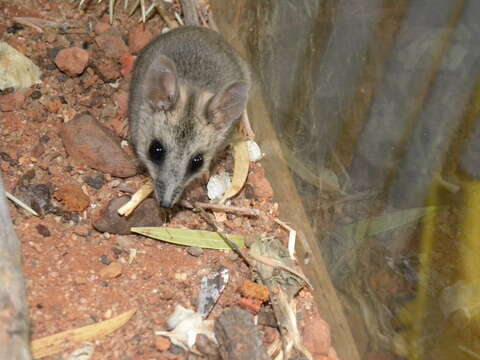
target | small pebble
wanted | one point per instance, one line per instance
(82, 230)
(181, 277)
(253, 290)
(162, 343)
(95, 182)
(72, 61)
(73, 197)
(174, 349)
(43, 230)
(44, 139)
(16, 27)
(104, 260)
(108, 314)
(111, 271)
(195, 251)
(36, 95)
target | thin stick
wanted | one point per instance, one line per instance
(148, 13)
(292, 237)
(217, 207)
(36, 22)
(247, 127)
(142, 8)
(134, 7)
(179, 19)
(28, 22)
(21, 204)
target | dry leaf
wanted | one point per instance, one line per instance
(240, 171)
(54, 344)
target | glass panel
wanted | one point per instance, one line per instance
(368, 111)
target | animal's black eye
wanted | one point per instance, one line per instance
(196, 163)
(156, 152)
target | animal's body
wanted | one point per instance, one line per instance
(189, 89)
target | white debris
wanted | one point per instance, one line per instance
(16, 70)
(254, 152)
(82, 353)
(185, 325)
(218, 185)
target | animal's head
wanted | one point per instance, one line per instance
(180, 127)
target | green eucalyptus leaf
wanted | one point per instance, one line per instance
(199, 238)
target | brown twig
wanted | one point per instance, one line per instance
(217, 207)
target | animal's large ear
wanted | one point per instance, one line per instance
(229, 104)
(161, 85)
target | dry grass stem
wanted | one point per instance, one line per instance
(136, 199)
(292, 237)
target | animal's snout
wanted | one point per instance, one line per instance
(166, 194)
(166, 204)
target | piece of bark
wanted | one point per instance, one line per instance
(14, 339)
(238, 337)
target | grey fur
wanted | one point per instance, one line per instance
(188, 90)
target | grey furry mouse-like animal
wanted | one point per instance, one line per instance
(189, 89)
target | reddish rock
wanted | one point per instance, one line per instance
(54, 106)
(138, 38)
(12, 102)
(102, 27)
(254, 290)
(82, 230)
(261, 186)
(254, 305)
(147, 214)
(316, 336)
(72, 197)
(127, 61)
(112, 44)
(72, 61)
(90, 143)
(162, 343)
(111, 271)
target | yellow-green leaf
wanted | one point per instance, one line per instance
(56, 343)
(199, 238)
